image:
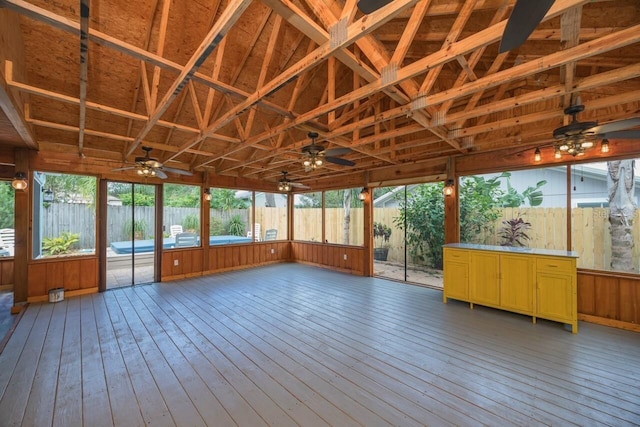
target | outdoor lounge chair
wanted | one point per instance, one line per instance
(184, 240)
(270, 234)
(256, 232)
(175, 230)
(7, 239)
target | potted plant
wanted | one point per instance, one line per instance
(514, 232)
(381, 234)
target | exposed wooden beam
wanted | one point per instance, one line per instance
(13, 113)
(354, 31)
(490, 35)
(230, 15)
(84, 69)
(569, 37)
(410, 31)
(57, 21)
(266, 60)
(102, 108)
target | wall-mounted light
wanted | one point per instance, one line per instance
(47, 196)
(20, 182)
(536, 155)
(448, 188)
(206, 194)
(363, 194)
(604, 146)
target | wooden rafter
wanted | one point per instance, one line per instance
(84, 69)
(354, 31)
(231, 14)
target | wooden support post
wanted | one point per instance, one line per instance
(452, 208)
(22, 218)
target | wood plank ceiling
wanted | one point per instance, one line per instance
(234, 86)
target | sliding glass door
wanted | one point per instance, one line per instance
(130, 234)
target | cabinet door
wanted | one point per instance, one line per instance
(517, 277)
(456, 274)
(555, 297)
(484, 283)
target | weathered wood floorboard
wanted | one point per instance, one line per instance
(291, 344)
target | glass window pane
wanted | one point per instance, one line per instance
(521, 208)
(271, 214)
(307, 217)
(64, 215)
(7, 218)
(605, 228)
(230, 217)
(388, 238)
(181, 215)
(344, 217)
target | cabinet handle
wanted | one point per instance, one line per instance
(551, 265)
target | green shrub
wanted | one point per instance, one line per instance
(191, 223)
(61, 244)
(216, 227)
(236, 226)
(138, 228)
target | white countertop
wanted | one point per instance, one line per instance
(513, 249)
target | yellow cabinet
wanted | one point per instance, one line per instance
(456, 275)
(536, 282)
(484, 283)
(517, 273)
(556, 291)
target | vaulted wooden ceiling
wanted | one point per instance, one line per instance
(233, 86)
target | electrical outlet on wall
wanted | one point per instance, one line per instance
(175, 263)
(273, 251)
(344, 257)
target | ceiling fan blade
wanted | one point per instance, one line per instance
(337, 151)
(125, 168)
(160, 174)
(368, 6)
(616, 126)
(621, 134)
(525, 17)
(177, 171)
(339, 161)
(297, 184)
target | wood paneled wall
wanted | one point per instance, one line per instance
(200, 261)
(76, 275)
(325, 255)
(6, 273)
(609, 299)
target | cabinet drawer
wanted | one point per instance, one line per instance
(555, 264)
(456, 254)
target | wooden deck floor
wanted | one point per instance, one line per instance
(290, 344)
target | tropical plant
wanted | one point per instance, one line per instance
(191, 223)
(513, 199)
(59, 245)
(236, 226)
(382, 232)
(514, 232)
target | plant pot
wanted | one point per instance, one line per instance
(380, 254)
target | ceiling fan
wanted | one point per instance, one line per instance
(285, 184)
(314, 155)
(576, 137)
(148, 166)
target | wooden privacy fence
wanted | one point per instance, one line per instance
(590, 227)
(589, 231)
